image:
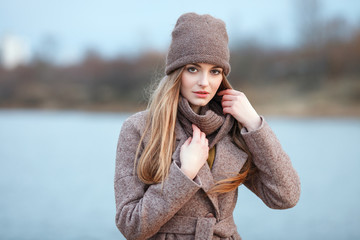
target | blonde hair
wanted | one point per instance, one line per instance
(154, 161)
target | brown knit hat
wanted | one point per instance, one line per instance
(198, 39)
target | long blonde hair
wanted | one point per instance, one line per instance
(155, 159)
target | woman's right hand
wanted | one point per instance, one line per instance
(194, 153)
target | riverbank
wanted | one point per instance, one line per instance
(272, 102)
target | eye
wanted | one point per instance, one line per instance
(192, 69)
(215, 71)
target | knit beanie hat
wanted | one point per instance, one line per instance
(198, 39)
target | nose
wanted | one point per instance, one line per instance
(203, 79)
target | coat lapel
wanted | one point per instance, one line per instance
(208, 182)
(229, 159)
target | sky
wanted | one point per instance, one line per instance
(115, 27)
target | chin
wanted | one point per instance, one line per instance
(200, 102)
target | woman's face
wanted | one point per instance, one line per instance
(199, 83)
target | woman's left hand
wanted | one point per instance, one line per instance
(236, 103)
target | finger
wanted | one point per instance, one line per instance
(227, 92)
(227, 110)
(228, 98)
(186, 143)
(202, 136)
(223, 92)
(196, 132)
(227, 103)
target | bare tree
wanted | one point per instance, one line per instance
(309, 22)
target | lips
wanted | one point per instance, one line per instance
(201, 94)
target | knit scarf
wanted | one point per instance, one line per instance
(210, 120)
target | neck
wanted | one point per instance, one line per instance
(195, 108)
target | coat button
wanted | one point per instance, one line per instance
(209, 215)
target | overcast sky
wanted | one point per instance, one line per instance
(115, 27)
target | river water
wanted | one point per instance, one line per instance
(57, 168)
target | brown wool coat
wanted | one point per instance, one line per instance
(183, 209)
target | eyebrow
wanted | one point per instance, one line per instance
(200, 66)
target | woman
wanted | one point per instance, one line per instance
(180, 162)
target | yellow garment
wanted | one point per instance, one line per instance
(211, 157)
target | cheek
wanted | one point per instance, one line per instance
(183, 87)
(216, 84)
(186, 83)
(182, 90)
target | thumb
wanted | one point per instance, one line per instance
(188, 141)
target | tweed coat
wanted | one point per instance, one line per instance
(182, 208)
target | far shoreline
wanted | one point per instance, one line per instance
(280, 110)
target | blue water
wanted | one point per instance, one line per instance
(57, 168)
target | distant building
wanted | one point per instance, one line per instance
(13, 51)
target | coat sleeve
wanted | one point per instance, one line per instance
(276, 181)
(142, 209)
